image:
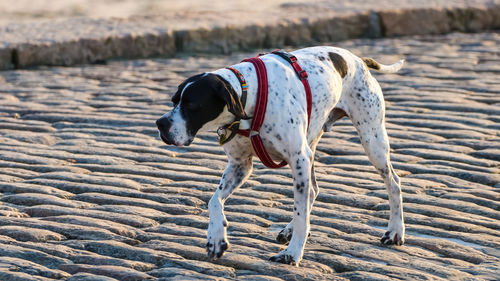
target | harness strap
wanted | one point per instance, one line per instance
(234, 127)
(259, 114)
(302, 74)
(243, 84)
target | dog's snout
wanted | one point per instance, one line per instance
(164, 125)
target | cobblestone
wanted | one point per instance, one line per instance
(89, 192)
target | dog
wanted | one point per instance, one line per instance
(341, 85)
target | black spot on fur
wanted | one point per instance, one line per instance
(371, 63)
(339, 64)
(300, 187)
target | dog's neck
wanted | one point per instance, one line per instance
(230, 77)
(225, 117)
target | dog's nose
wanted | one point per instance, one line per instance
(160, 125)
(163, 124)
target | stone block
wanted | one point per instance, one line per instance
(5, 58)
(414, 22)
(83, 50)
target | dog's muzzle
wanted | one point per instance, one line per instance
(167, 136)
(163, 126)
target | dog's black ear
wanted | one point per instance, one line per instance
(226, 92)
(176, 98)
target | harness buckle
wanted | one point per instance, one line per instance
(222, 132)
(253, 133)
(302, 75)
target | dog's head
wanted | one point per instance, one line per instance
(199, 100)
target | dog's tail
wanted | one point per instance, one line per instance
(393, 68)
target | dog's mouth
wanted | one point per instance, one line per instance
(165, 140)
(170, 142)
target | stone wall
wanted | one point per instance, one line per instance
(78, 41)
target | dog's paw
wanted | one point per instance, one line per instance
(392, 238)
(284, 236)
(217, 242)
(215, 249)
(285, 258)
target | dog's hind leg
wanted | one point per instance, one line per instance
(237, 171)
(376, 145)
(367, 112)
(285, 234)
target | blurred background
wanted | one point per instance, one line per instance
(23, 10)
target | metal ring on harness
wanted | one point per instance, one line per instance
(223, 135)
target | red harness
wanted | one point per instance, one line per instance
(261, 105)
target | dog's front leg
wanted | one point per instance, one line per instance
(235, 174)
(285, 234)
(301, 168)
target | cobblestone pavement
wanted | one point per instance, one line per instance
(89, 192)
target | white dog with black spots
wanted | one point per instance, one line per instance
(341, 85)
